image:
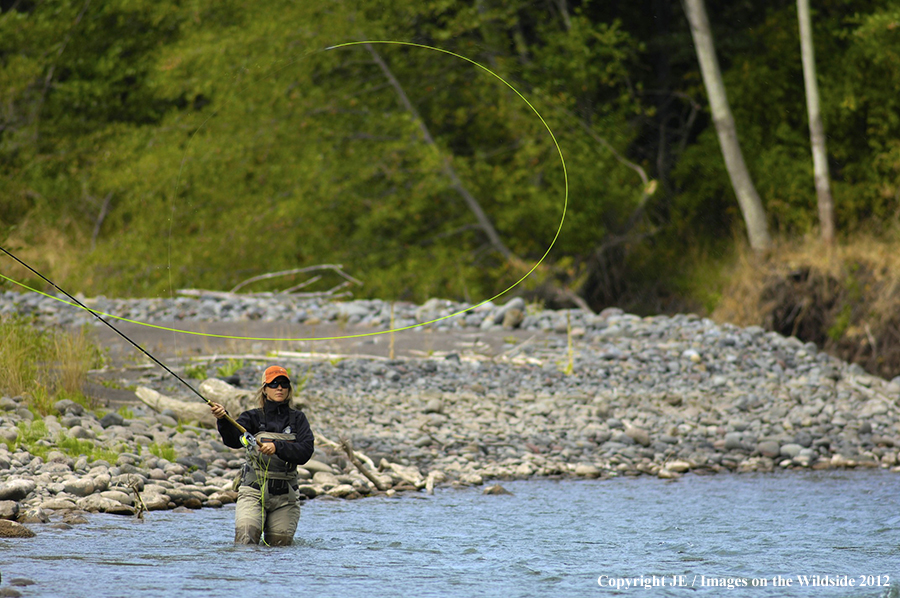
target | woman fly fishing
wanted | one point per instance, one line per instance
(268, 506)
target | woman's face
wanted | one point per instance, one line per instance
(280, 392)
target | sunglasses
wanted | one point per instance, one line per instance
(279, 383)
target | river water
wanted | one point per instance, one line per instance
(550, 538)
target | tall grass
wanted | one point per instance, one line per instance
(44, 365)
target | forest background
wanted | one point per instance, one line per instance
(149, 146)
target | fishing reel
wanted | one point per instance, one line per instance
(249, 441)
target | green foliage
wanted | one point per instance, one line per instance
(857, 58)
(230, 119)
(75, 447)
(197, 372)
(32, 438)
(230, 368)
(125, 412)
(163, 451)
(219, 143)
(45, 365)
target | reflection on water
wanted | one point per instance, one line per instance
(548, 539)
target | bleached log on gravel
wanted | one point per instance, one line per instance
(187, 411)
(234, 399)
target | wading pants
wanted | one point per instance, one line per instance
(278, 518)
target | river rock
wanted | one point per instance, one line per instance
(513, 318)
(9, 435)
(9, 509)
(58, 504)
(97, 503)
(118, 496)
(769, 448)
(678, 466)
(872, 408)
(154, 501)
(638, 435)
(82, 433)
(473, 479)
(523, 470)
(308, 490)
(79, 487)
(587, 470)
(33, 515)
(74, 518)
(11, 529)
(112, 419)
(733, 441)
(341, 490)
(434, 405)
(326, 479)
(16, 489)
(68, 407)
(790, 450)
(314, 466)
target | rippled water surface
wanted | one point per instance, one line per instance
(548, 539)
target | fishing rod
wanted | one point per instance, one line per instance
(246, 438)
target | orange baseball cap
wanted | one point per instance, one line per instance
(274, 372)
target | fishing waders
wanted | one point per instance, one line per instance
(268, 507)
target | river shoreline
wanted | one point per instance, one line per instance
(576, 396)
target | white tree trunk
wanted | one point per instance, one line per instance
(816, 128)
(748, 198)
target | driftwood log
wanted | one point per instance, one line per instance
(232, 398)
(379, 482)
(186, 411)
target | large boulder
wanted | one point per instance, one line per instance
(99, 504)
(80, 487)
(155, 501)
(9, 509)
(11, 529)
(16, 489)
(58, 504)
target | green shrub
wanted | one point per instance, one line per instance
(163, 451)
(230, 368)
(197, 372)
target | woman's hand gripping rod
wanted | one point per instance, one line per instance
(247, 439)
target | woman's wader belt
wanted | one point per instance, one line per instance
(280, 474)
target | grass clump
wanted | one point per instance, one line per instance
(163, 451)
(45, 365)
(35, 439)
(230, 368)
(197, 372)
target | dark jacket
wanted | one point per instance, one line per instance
(274, 417)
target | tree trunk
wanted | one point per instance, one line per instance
(455, 182)
(748, 198)
(816, 128)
